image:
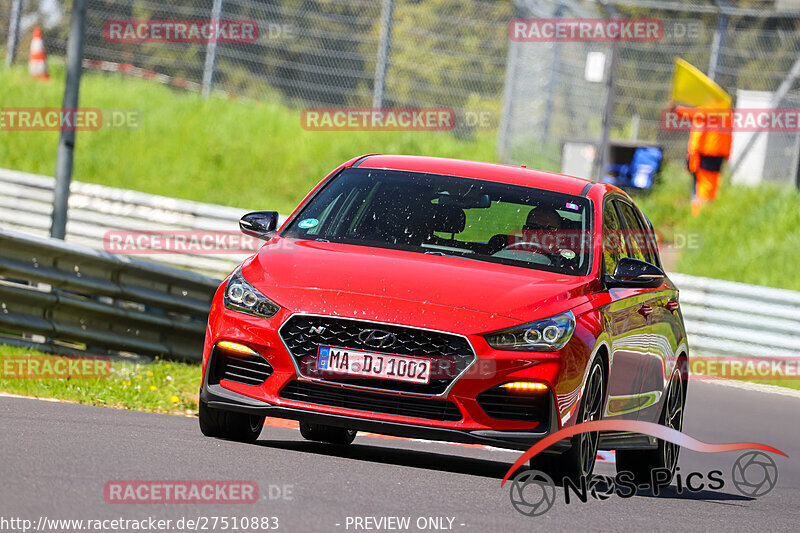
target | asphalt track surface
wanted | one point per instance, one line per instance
(55, 459)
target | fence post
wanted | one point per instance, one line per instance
(384, 46)
(796, 160)
(507, 104)
(211, 52)
(608, 112)
(504, 126)
(13, 31)
(555, 61)
(608, 106)
(718, 45)
(66, 141)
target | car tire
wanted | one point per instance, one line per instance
(579, 460)
(229, 425)
(329, 434)
(641, 463)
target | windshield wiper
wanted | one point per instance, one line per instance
(443, 254)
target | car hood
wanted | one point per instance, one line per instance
(331, 278)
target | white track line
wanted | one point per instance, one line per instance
(757, 387)
(53, 400)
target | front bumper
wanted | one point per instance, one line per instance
(475, 426)
(218, 397)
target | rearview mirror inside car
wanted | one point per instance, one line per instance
(260, 224)
(634, 273)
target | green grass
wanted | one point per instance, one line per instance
(239, 153)
(160, 386)
(668, 205)
(749, 234)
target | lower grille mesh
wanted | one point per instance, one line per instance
(371, 402)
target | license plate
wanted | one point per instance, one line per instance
(373, 365)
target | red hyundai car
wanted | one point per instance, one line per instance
(451, 300)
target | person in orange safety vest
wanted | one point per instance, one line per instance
(709, 146)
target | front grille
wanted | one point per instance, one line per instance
(505, 404)
(371, 402)
(247, 369)
(450, 354)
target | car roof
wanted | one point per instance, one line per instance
(478, 170)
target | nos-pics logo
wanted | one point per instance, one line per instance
(534, 492)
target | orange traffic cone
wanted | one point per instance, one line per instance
(37, 63)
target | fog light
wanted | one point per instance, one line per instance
(525, 386)
(235, 347)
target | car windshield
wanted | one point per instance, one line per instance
(447, 215)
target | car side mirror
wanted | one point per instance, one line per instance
(634, 273)
(259, 224)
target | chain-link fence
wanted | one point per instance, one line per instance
(447, 53)
(5, 15)
(550, 100)
(322, 53)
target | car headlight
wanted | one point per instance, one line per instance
(243, 297)
(546, 335)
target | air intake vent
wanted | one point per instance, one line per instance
(247, 369)
(504, 404)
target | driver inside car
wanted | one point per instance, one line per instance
(543, 235)
(540, 232)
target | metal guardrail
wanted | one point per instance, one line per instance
(26, 202)
(72, 293)
(737, 319)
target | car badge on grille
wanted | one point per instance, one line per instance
(317, 329)
(377, 338)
